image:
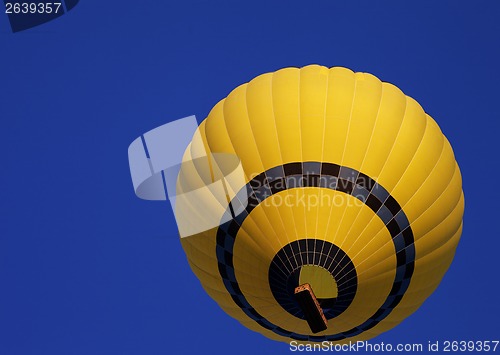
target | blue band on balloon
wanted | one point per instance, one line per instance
(334, 177)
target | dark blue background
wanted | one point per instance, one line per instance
(87, 268)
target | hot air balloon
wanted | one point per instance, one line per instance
(346, 212)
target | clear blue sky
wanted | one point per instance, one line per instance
(87, 268)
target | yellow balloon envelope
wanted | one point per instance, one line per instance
(348, 186)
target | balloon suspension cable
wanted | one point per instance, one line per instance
(311, 308)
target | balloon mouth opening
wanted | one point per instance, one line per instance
(330, 274)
